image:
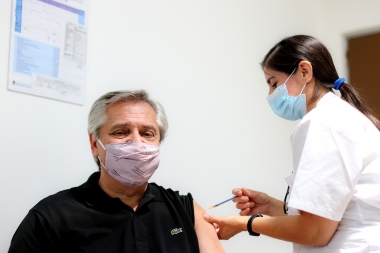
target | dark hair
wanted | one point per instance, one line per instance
(289, 52)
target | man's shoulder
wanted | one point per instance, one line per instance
(69, 198)
(155, 188)
(182, 203)
(59, 200)
(167, 194)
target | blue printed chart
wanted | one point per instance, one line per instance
(48, 49)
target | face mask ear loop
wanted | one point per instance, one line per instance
(101, 144)
(290, 75)
(101, 163)
(302, 88)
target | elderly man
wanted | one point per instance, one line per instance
(117, 210)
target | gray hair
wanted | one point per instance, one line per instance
(97, 116)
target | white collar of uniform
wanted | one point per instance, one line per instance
(326, 97)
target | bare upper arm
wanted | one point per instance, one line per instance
(321, 230)
(207, 238)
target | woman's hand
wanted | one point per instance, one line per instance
(305, 229)
(227, 226)
(250, 202)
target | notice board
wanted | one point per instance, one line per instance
(48, 48)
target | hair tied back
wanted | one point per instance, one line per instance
(338, 83)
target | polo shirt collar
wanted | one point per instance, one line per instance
(95, 197)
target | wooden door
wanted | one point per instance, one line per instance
(364, 68)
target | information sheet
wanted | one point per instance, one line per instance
(48, 48)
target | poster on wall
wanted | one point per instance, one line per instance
(48, 48)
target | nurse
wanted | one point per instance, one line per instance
(333, 198)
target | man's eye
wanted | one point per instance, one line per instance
(274, 85)
(118, 133)
(148, 134)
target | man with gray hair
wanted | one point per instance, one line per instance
(117, 210)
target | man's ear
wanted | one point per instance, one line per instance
(93, 143)
(306, 70)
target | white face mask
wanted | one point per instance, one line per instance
(131, 163)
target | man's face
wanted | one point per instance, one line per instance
(127, 122)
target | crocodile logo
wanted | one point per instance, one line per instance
(176, 231)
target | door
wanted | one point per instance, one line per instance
(364, 69)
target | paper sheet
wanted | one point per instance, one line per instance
(48, 48)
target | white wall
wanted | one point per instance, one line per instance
(343, 19)
(200, 60)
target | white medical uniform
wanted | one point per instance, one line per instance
(336, 157)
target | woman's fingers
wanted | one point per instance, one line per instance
(245, 211)
(248, 193)
(241, 198)
(237, 192)
(209, 218)
(226, 226)
(245, 205)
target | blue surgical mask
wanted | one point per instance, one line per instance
(285, 106)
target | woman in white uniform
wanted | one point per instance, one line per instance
(334, 189)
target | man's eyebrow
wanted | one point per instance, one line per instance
(119, 125)
(149, 127)
(128, 125)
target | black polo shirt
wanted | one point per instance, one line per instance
(85, 219)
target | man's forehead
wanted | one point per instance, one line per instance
(131, 106)
(125, 110)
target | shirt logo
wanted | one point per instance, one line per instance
(176, 231)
